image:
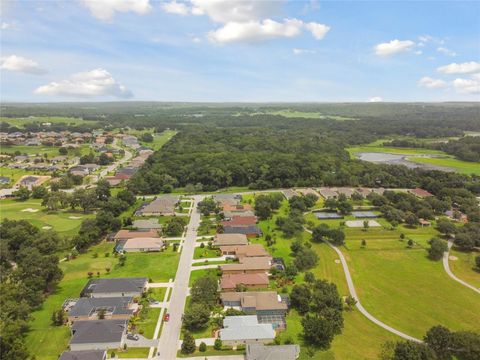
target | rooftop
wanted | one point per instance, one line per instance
(275, 352)
(90, 306)
(84, 355)
(230, 239)
(115, 285)
(229, 281)
(98, 331)
(261, 300)
(245, 328)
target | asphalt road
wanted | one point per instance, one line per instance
(449, 272)
(167, 345)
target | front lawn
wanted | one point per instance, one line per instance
(202, 253)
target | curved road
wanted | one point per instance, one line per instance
(449, 272)
(359, 306)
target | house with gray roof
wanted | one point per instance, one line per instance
(110, 307)
(162, 205)
(115, 287)
(84, 355)
(240, 330)
(273, 352)
(146, 225)
(98, 334)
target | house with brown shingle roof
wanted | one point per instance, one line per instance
(130, 234)
(229, 282)
(242, 251)
(420, 193)
(230, 239)
(248, 265)
(236, 207)
(240, 221)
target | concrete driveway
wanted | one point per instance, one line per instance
(141, 342)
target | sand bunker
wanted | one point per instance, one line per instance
(359, 223)
(453, 258)
(30, 210)
(74, 217)
(337, 261)
(46, 227)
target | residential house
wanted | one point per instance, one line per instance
(272, 352)
(248, 265)
(420, 193)
(227, 198)
(230, 240)
(242, 330)
(141, 244)
(240, 221)
(162, 205)
(243, 251)
(289, 193)
(269, 307)
(146, 225)
(84, 355)
(91, 167)
(98, 334)
(363, 191)
(29, 181)
(79, 170)
(109, 307)
(131, 234)
(236, 207)
(327, 193)
(7, 193)
(229, 282)
(249, 231)
(115, 287)
(4, 180)
(113, 180)
(229, 214)
(348, 192)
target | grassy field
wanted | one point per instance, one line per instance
(205, 253)
(19, 122)
(16, 174)
(211, 352)
(289, 113)
(53, 340)
(65, 222)
(361, 339)
(131, 353)
(148, 324)
(464, 267)
(160, 139)
(444, 159)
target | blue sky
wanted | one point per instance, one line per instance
(217, 50)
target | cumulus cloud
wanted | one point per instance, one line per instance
(467, 86)
(318, 30)
(21, 64)
(105, 9)
(446, 51)
(245, 20)
(375, 99)
(97, 82)
(462, 68)
(224, 11)
(431, 83)
(393, 47)
(302, 51)
(175, 7)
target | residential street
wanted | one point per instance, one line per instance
(167, 345)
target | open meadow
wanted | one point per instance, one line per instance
(21, 121)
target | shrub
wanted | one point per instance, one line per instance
(202, 347)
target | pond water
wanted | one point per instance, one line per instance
(398, 159)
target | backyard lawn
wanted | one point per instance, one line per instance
(65, 222)
(160, 267)
(464, 266)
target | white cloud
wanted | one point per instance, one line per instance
(462, 68)
(5, 26)
(302, 51)
(254, 31)
(97, 82)
(318, 30)
(418, 52)
(467, 86)
(446, 51)
(21, 64)
(431, 83)
(105, 9)
(393, 47)
(175, 7)
(225, 11)
(375, 99)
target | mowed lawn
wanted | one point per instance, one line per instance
(45, 119)
(464, 266)
(443, 159)
(360, 339)
(406, 290)
(48, 341)
(65, 222)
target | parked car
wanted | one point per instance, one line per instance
(132, 337)
(166, 317)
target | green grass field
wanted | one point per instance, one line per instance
(53, 340)
(160, 139)
(289, 113)
(16, 174)
(65, 222)
(19, 122)
(463, 167)
(464, 267)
